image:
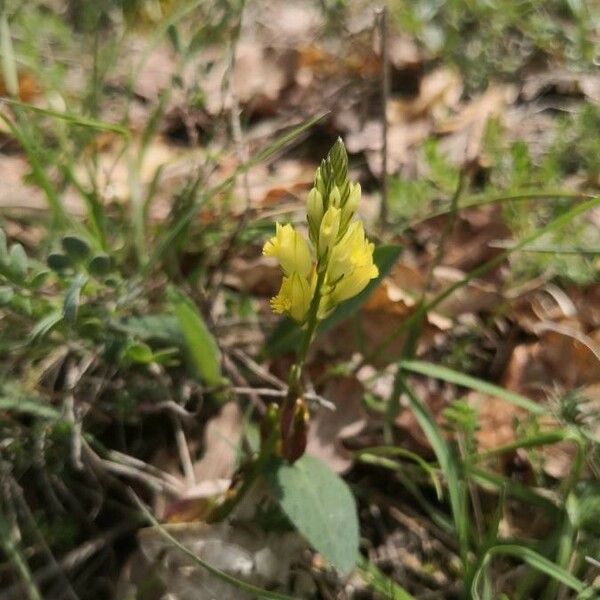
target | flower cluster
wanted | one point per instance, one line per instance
(337, 262)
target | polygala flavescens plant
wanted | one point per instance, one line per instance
(335, 264)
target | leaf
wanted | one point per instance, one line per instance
(100, 265)
(9, 68)
(3, 246)
(160, 327)
(445, 374)
(76, 247)
(533, 559)
(45, 325)
(6, 295)
(29, 407)
(58, 261)
(287, 335)
(18, 260)
(79, 120)
(448, 461)
(71, 303)
(382, 583)
(202, 346)
(140, 353)
(321, 507)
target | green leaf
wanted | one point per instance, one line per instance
(202, 346)
(71, 119)
(138, 352)
(287, 335)
(71, 303)
(58, 261)
(44, 326)
(3, 246)
(29, 407)
(449, 463)
(321, 507)
(100, 265)
(159, 327)
(445, 374)
(382, 583)
(18, 260)
(533, 559)
(76, 248)
(9, 65)
(6, 295)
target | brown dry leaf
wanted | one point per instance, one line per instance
(403, 140)
(468, 125)
(29, 89)
(496, 420)
(258, 276)
(15, 193)
(329, 428)
(561, 82)
(476, 297)
(221, 440)
(439, 91)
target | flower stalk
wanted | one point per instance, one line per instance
(335, 264)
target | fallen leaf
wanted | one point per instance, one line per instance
(329, 428)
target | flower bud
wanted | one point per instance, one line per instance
(319, 182)
(335, 198)
(314, 212)
(353, 198)
(328, 231)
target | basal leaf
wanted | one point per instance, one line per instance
(202, 347)
(321, 507)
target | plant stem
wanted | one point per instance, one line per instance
(311, 326)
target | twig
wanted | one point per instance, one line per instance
(282, 394)
(71, 416)
(232, 369)
(184, 452)
(169, 406)
(381, 14)
(258, 369)
(140, 465)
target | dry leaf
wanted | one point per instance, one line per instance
(328, 428)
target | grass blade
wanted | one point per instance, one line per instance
(71, 119)
(447, 461)
(9, 68)
(533, 559)
(382, 583)
(472, 383)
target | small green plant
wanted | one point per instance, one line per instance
(336, 264)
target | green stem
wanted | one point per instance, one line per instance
(311, 326)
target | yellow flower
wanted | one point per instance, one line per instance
(328, 231)
(290, 249)
(293, 298)
(351, 265)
